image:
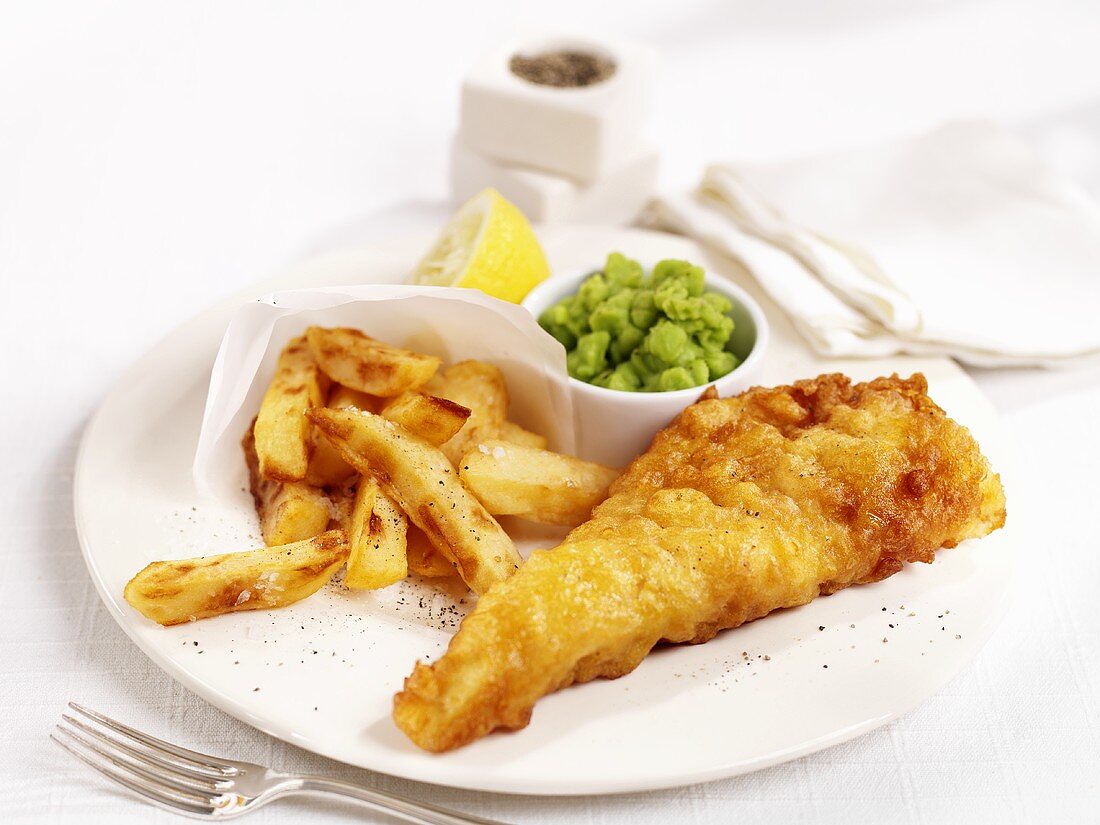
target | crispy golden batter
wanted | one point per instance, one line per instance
(740, 507)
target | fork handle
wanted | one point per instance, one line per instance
(408, 810)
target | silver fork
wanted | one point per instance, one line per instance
(207, 787)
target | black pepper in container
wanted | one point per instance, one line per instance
(562, 69)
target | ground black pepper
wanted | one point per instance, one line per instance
(563, 69)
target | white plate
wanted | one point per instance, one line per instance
(326, 669)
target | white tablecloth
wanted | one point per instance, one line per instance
(154, 156)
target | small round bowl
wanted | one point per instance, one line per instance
(613, 426)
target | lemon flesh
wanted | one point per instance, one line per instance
(488, 245)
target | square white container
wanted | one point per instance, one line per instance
(616, 198)
(581, 133)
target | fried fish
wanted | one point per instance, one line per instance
(740, 507)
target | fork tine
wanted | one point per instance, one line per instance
(151, 791)
(211, 780)
(199, 760)
(137, 762)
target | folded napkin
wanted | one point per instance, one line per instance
(956, 243)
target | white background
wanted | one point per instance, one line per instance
(154, 156)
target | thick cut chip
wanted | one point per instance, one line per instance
(172, 592)
(424, 559)
(425, 485)
(362, 363)
(326, 467)
(288, 512)
(514, 433)
(534, 484)
(434, 419)
(343, 500)
(480, 388)
(345, 398)
(283, 436)
(376, 532)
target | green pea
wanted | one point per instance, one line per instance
(613, 315)
(699, 372)
(687, 353)
(668, 268)
(664, 340)
(589, 358)
(555, 320)
(628, 339)
(719, 362)
(645, 364)
(621, 270)
(624, 377)
(715, 337)
(667, 292)
(674, 378)
(682, 307)
(689, 277)
(592, 291)
(602, 379)
(718, 302)
(643, 311)
(695, 280)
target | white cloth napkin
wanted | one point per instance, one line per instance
(957, 243)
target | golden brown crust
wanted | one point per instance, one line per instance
(354, 359)
(282, 441)
(424, 484)
(288, 512)
(173, 592)
(434, 419)
(740, 507)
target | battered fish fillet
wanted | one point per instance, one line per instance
(741, 506)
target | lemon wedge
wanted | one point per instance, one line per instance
(487, 245)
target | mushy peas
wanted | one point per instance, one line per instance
(626, 330)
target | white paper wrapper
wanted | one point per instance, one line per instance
(455, 324)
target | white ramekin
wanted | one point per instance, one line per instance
(613, 426)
